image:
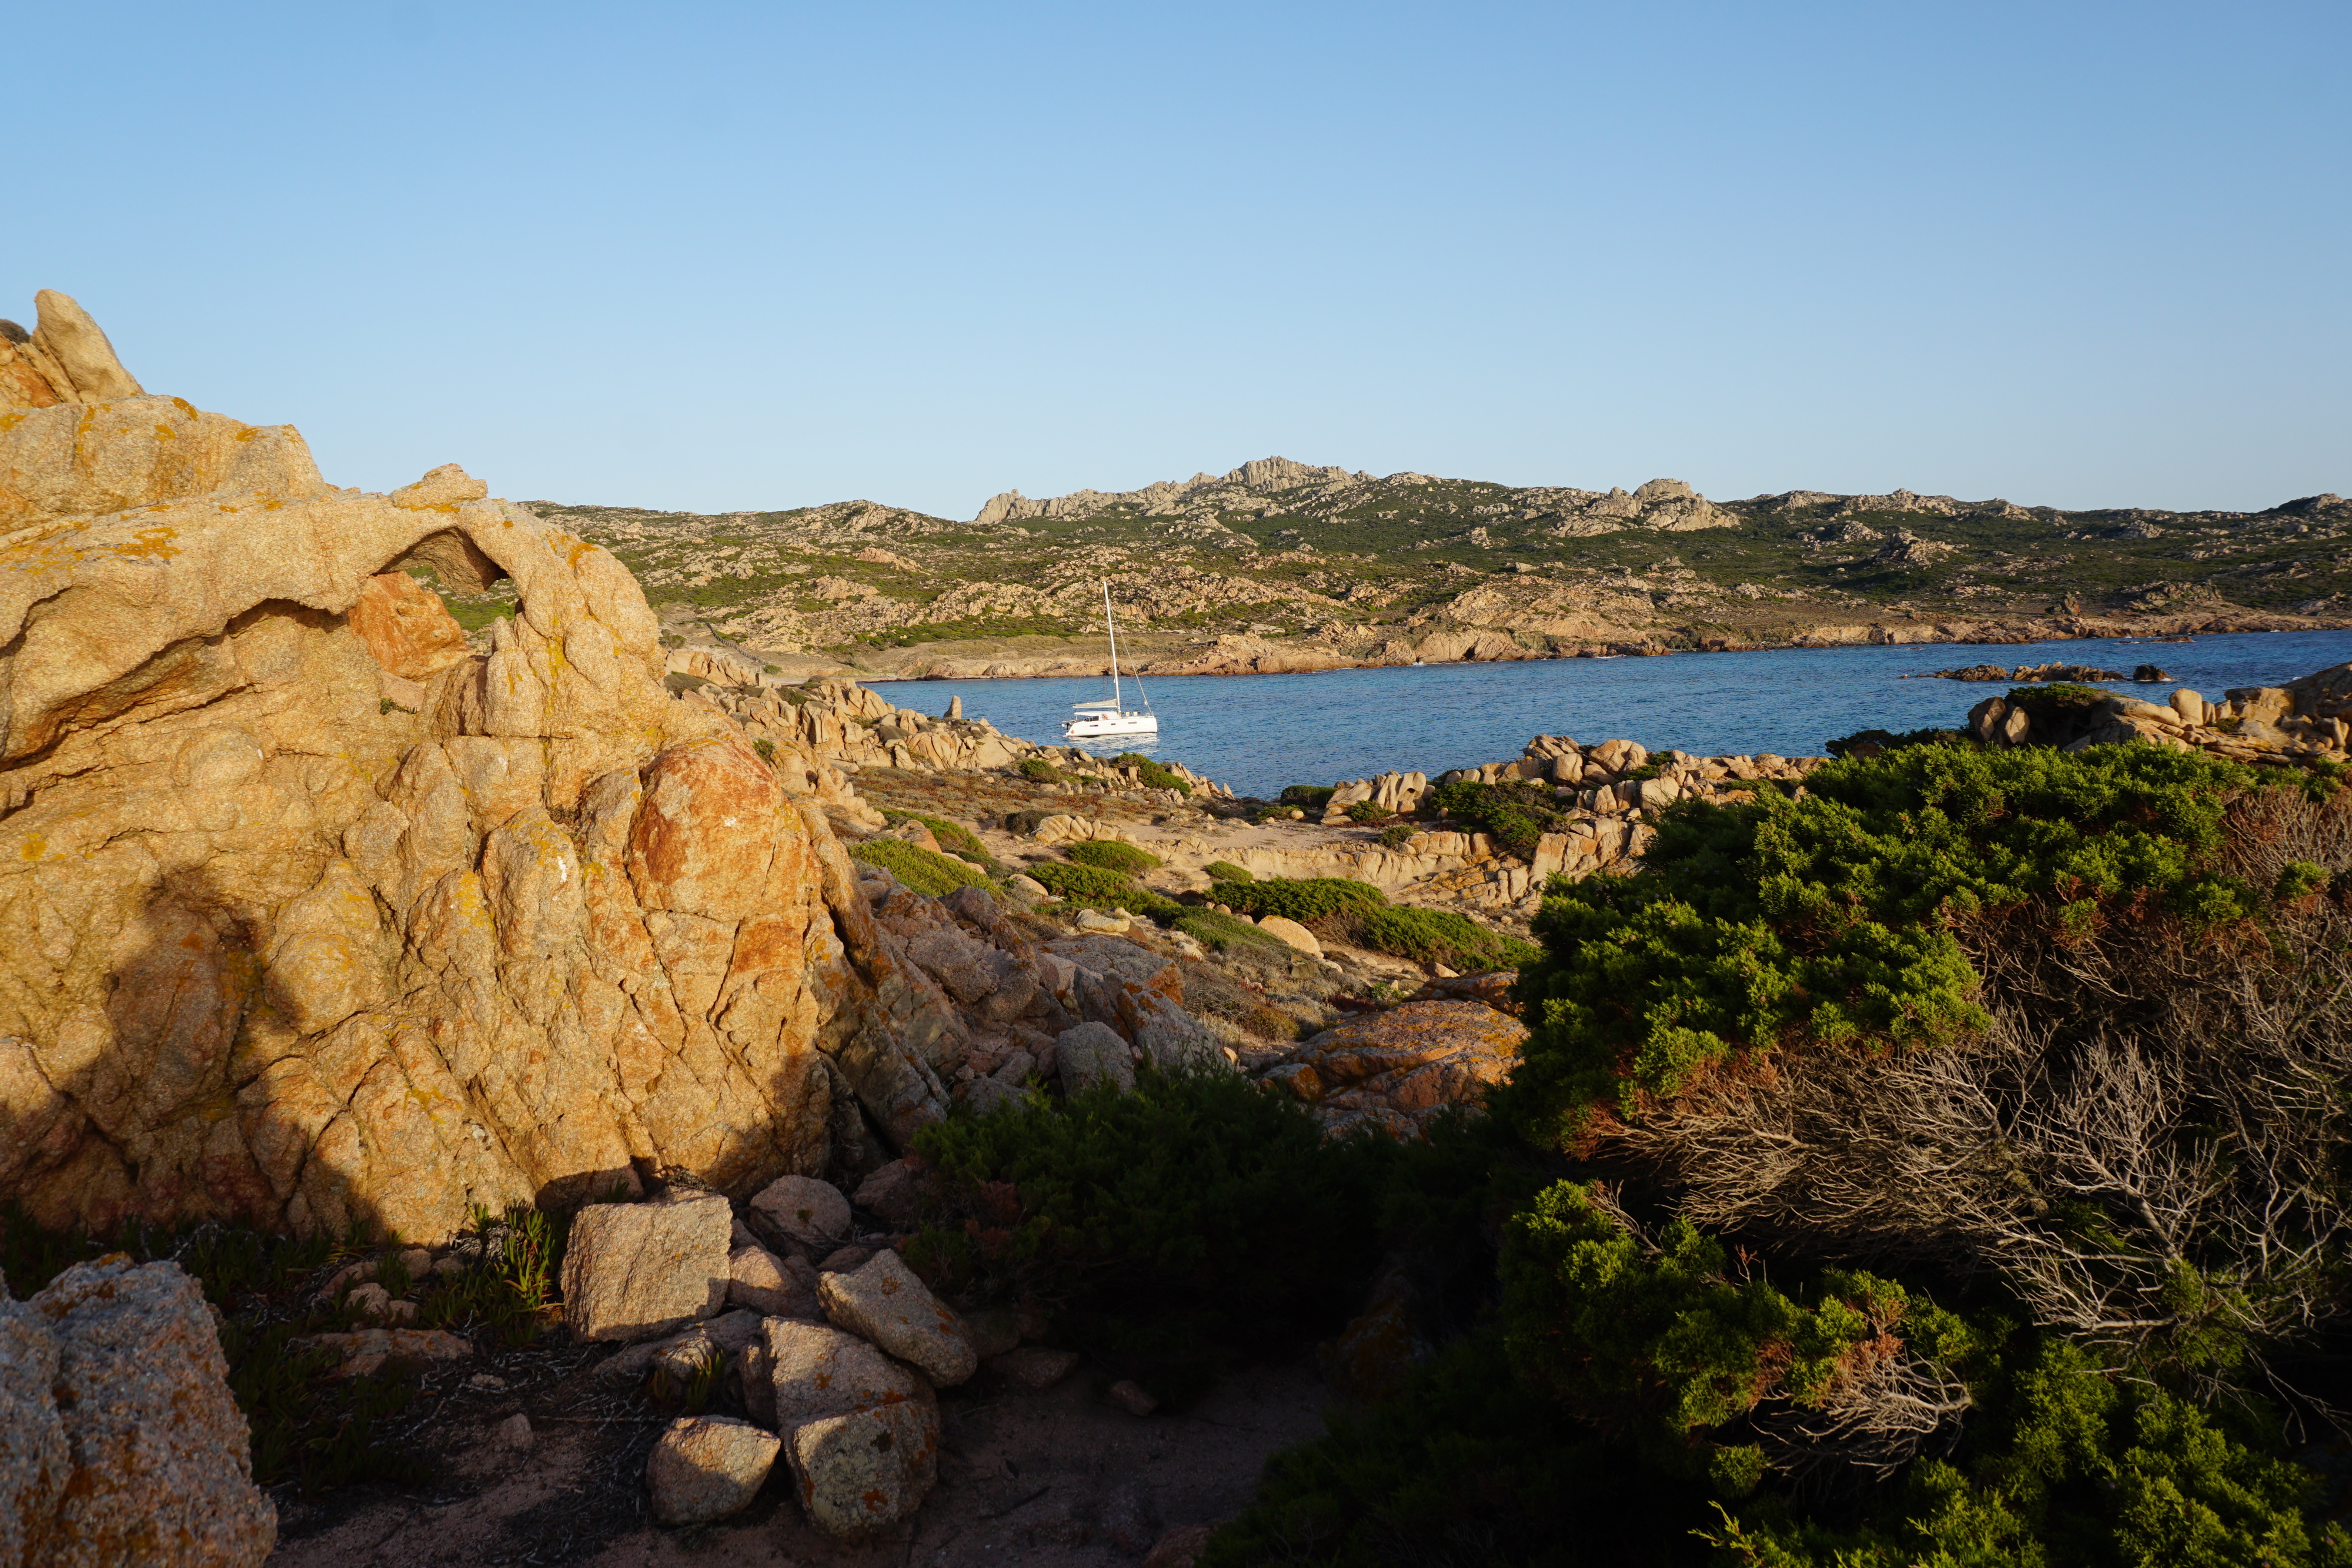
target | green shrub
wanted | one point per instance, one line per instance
(1828, 918)
(953, 837)
(1226, 870)
(1299, 899)
(765, 748)
(1152, 774)
(1040, 770)
(1516, 814)
(1466, 1464)
(1365, 811)
(920, 869)
(1221, 933)
(1441, 936)
(1084, 883)
(1391, 838)
(1110, 855)
(1198, 1213)
(1868, 743)
(1314, 797)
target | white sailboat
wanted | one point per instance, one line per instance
(1090, 721)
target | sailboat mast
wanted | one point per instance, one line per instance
(1116, 706)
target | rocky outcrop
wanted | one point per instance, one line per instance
(312, 914)
(122, 1442)
(1400, 1069)
(2307, 718)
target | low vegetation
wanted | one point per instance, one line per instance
(1944, 1166)
(1110, 855)
(1359, 913)
(924, 871)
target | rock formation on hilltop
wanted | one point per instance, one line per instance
(311, 914)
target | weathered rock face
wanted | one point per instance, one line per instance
(1399, 1069)
(310, 915)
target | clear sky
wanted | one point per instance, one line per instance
(711, 257)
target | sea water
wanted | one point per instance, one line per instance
(1258, 733)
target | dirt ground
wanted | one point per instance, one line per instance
(1058, 1479)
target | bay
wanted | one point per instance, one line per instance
(1258, 733)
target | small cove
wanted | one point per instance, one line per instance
(1258, 733)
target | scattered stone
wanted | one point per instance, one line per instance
(487, 1382)
(1130, 1396)
(727, 1335)
(370, 1351)
(1181, 1547)
(160, 1454)
(844, 1260)
(1130, 1519)
(1093, 1053)
(994, 1330)
(1096, 923)
(885, 1302)
(894, 1193)
(1033, 1366)
(817, 1371)
(706, 1468)
(368, 1300)
(1030, 888)
(2148, 675)
(800, 1209)
(772, 1286)
(514, 1432)
(1293, 934)
(860, 1472)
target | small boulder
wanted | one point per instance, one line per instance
(797, 1208)
(633, 1271)
(866, 1470)
(1181, 1547)
(1033, 1366)
(706, 1468)
(894, 1193)
(887, 1303)
(1292, 934)
(514, 1432)
(1093, 1053)
(1131, 1396)
(1029, 887)
(370, 1351)
(772, 1286)
(819, 1371)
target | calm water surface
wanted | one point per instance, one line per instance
(1258, 733)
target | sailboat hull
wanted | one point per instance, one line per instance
(1110, 725)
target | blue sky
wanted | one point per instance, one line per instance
(713, 257)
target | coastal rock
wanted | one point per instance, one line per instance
(157, 1451)
(706, 1468)
(1399, 1069)
(635, 1271)
(886, 1303)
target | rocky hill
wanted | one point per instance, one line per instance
(1281, 566)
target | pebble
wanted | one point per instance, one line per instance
(1130, 1396)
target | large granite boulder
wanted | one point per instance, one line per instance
(885, 1302)
(121, 1441)
(313, 915)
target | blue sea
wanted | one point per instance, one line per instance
(1257, 733)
